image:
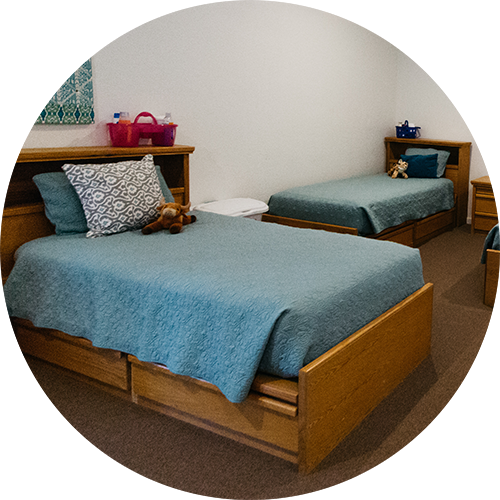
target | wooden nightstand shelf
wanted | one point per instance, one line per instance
(484, 209)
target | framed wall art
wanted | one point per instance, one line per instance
(45, 72)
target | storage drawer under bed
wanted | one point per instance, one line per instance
(77, 354)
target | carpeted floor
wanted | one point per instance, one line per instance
(196, 461)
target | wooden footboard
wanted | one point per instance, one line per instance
(339, 389)
(298, 420)
(491, 276)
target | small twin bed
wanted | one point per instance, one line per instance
(410, 211)
(281, 338)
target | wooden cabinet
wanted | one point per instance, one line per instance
(484, 209)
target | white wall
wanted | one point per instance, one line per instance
(272, 95)
(421, 101)
(459, 50)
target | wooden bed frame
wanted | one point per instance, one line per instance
(300, 420)
(415, 232)
(491, 276)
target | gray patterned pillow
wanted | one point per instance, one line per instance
(116, 197)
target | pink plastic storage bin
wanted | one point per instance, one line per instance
(124, 135)
(165, 137)
(128, 134)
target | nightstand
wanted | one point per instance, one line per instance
(484, 209)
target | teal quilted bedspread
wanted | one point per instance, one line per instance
(219, 301)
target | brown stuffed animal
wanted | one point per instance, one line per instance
(172, 217)
(399, 168)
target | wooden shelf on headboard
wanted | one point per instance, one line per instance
(23, 215)
(457, 168)
(173, 161)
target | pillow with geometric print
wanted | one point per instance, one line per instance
(116, 197)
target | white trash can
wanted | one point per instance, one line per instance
(235, 207)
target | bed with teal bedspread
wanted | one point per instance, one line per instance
(492, 242)
(370, 203)
(220, 301)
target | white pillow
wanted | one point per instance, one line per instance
(116, 197)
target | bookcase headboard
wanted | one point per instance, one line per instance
(23, 215)
(457, 168)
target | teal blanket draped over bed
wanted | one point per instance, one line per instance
(369, 203)
(491, 242)
(219, 301)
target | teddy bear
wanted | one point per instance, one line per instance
(172, 217)
(397, 169)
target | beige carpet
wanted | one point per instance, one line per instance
(193, 460)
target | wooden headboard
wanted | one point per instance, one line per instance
(23, 215)
(457, 168)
